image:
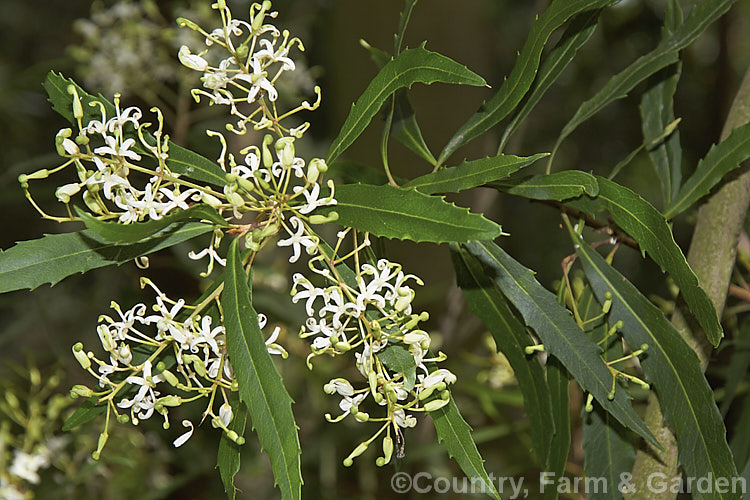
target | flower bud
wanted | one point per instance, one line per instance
(81, 356)
(64, 193)
(435, 404)
(332, 216)
(348, 461)
(79, 390)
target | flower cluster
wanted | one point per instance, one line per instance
(241, 65)
(168, 354)
(106, 153)
(371, 316)
(161, 361)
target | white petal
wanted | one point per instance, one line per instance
(183, 439)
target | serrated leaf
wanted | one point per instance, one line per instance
(558, 383)
(488, 304)
(455, 434)
(471, 173)
(721, 159)
(228, 457)
(559, 333)
(116, 232)
(56, 256)
(260, 385)
(180, 161)
(411, 66)
(522, 76)
(578, 32)
(673, 369)
(665, 54)
(556, 186)
(89, 410)
(399, 360)
(407, 214)
(647, 226)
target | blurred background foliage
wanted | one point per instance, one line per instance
(131, 47)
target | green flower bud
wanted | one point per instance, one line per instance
(80, 391)
(81, 356)
(435, 404)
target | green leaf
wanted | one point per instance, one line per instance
(607, 447)
(647, 226)
(455, 434)
(657, 111)
(56, 256)
(89, 410)
(472, 173)
(671, 366)
(407, 214)
(406, 129)
(721, 159)
(738, 365)
(608, 453)
(116, 232)
(180, 161)
(560, 334)
(260, 385)
(349, 172)
(411, 66)
(399, 360)
(404, 121)
(578, 32)
(558, 383)
(487, 303)
(228, 459)
(556, 186)
(665, 54)
(522, 75)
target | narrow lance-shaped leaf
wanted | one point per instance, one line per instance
(666, 53)
(578, 32)
(260, 385)
(455, 434)
(721, 159)
(56, 256)
(228, 459)
(472, 173)
(487, 303)
(673, 369)
(89, 410)
(522, 75)
(560, 335)
(130, 233)
(407, 214)
(555, 186)
(657, 111)
(180, 161)
(558, 383)
(647, 226)
(411, 66)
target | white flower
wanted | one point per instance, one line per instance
(337, 305)
(26, 465)
(339, 386)
(123, 150)
(183, 439)
(9, 492)
(225, 413)
(258, 81)
(402, 419)
(310, 292)
(311, 199)
(441, 375)
(144, 399)
(192, 61)
(298, 238)
(280, 55)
